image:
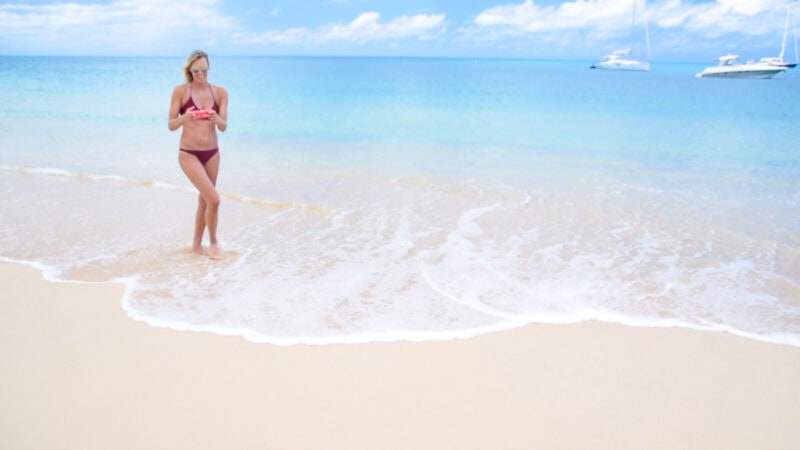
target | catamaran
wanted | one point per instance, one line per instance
(622, 59)
(778, 60)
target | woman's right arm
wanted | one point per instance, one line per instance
(175, 119)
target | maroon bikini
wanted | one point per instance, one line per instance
(202, 155)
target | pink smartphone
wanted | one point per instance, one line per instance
(200, 113)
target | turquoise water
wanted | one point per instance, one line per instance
(373, 199)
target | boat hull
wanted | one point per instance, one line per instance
(634, 66)
(764, 73)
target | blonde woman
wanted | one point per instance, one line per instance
(201, 109)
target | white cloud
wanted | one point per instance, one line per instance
(364, 28)
(367, 27)
(527, 26)
(120, 24)
(746, 17)
(748, 7)
(610, 17)
(288, 36)
(531, 17)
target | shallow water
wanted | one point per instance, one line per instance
(376, 199)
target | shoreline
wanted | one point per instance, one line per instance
(79, 373)
(417, 337)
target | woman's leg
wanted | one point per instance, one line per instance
(212, 208)
(199, 226)
(204, 178)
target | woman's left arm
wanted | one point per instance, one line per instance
(221, 118)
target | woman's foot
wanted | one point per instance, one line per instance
(199, 250)
(213, 251)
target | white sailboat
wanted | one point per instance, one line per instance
(622, 59)
(778, 60)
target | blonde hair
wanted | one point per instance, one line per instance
(194, 56)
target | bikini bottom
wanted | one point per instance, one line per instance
(202, 155)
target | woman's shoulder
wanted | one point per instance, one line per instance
(181, 88)
(219, 90)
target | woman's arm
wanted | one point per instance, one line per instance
(175, 120)
(221, 119)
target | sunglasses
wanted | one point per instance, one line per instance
(199, 70)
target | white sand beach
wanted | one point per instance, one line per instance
(77, 373)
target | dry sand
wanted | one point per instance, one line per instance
(77, 373)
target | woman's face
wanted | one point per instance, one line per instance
(199, 69)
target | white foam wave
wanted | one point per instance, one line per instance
(413, 260)
(54, 275)
(507, 322)
(113, 178)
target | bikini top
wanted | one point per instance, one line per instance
(190, 103)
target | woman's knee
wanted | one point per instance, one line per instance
(212, 200)
(207, 199)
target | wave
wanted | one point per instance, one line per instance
(415, 260)
(509, 322)
(155, 184)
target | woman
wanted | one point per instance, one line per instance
(201, 109)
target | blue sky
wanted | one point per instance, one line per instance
(680, 30)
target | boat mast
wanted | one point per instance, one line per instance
(647, 35)
(646, 30)
(633, 22)
(786, 31)
(794, 34)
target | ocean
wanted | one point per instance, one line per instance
(385, 199)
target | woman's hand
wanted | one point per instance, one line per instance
(214, 118)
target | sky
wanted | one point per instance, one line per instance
(679, 30)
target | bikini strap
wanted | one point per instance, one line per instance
(212, 93)
(190, 99)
